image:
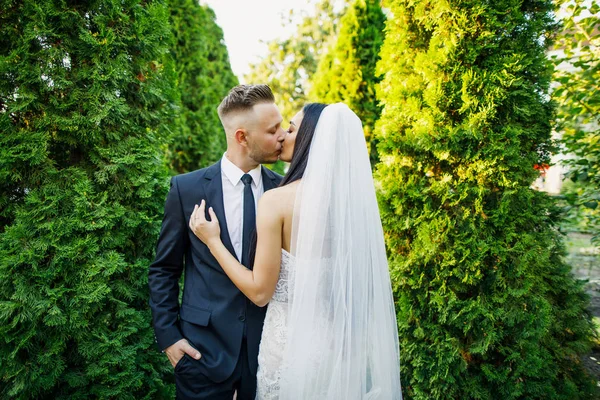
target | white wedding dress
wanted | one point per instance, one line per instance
(330, 331)
(273, 341)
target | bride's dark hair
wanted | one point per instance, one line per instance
(304, 136)
(312, 112)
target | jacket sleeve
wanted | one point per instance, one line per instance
(165, 271)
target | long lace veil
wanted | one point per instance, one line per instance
(342, 331)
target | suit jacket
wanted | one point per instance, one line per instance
(213, 314)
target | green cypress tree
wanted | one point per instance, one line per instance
(346, 73)
(204, 77)
(487, 308)
(86, 91)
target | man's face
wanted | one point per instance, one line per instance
(265, 134)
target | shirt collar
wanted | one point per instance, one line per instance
(234, 174)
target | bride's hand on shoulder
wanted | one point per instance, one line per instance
(209, 232)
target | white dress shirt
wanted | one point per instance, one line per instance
(233, 199)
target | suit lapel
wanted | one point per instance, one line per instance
(214, 199)
(269, 179)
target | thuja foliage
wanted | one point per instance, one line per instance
(487, 308)
(346, 73)
(204, 77)
(86, 91)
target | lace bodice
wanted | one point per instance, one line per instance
(281, 290)
(274, 336)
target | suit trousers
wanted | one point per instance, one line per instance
(191, 384)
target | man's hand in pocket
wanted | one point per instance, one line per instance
(177, 350)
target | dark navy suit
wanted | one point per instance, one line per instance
(214, 316)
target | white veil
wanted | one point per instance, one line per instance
(342, 331)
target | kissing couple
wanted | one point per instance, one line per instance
(287, 292)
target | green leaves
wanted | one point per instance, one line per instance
(577, 62)
(291, 62)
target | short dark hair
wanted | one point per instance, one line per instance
(244, 97)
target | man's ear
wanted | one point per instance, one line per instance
(241, 137)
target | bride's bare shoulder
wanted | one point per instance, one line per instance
(281, 192)
(280, 196)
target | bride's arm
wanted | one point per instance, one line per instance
(259, 283)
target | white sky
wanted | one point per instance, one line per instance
(246, 23)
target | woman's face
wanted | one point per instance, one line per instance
(290, 138)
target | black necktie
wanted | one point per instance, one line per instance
(249, 219)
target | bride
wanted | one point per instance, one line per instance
(320, 264)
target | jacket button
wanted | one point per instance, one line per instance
(242, 318)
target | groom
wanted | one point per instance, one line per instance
(212, 337)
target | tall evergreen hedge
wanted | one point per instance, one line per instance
(346, 73)
(204, 77)
(86, 93)
(487, 307)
